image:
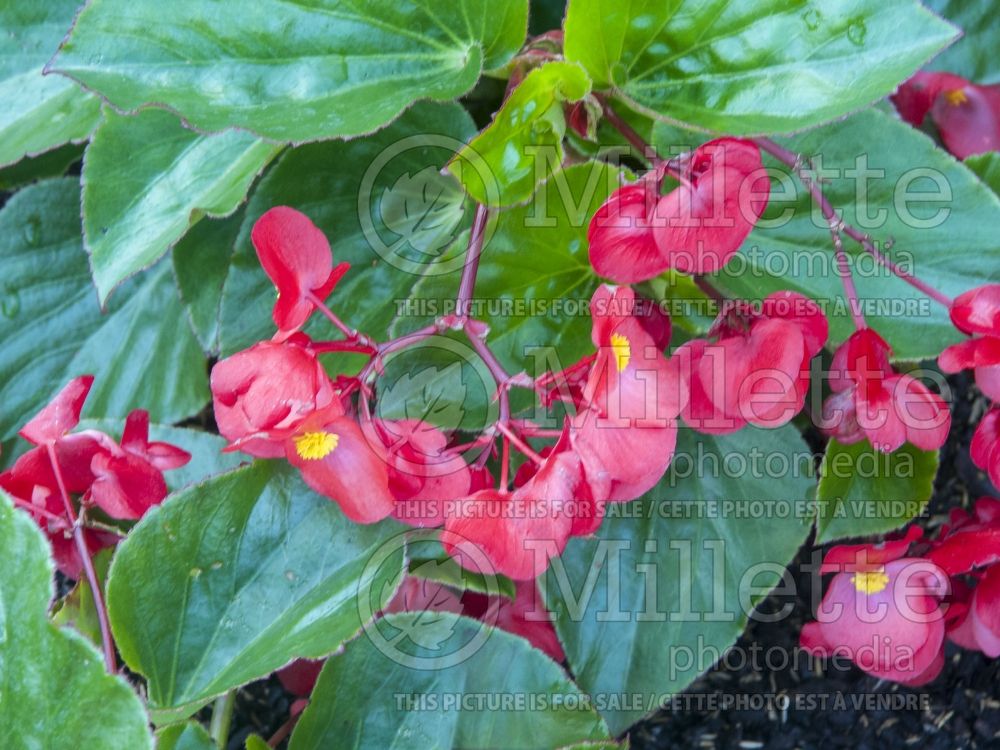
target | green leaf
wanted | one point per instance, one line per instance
(752, 66)
(39, 112)
(147, 179)
(535, 280)
(974, 56)
(938, 214)
(987, 168)
(346, 712)
(289, 71)
(49, 164)
(504, 164)
(863, 491)
(667, 586)
(427, 560)
(55, 690)
(53, 330)
(207, 458)
(201, 265)
(329, 182)
(256, 742)
(187, 736)
(231, 579)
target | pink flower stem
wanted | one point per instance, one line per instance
(522, 446)
(475, 250)
(80, 540)
(351, 334)
(847, 278)
(796, 163)
(528, 428)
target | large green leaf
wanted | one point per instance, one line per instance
(54, 692)
(667, 586)
(147, 178)
(201, 265)
(382, 203)
(53, 330)
(975, 54)
(535, 278)
(862, 491)
(366, 698)
(752, 66)
(948, 240)
(39, 112)
(291, 71)
(504, 164)
(231, 579)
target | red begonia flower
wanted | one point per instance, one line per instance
(967, 116)
(915, 97)
(60, 415)
(296, 255)
(135, 440)
(968, 119)
(125, 485)
(985, 447)
(32, 486)
(695, 228)
(970, 541)
(871, 401)
(978, 626)
(519, 532)
(757, 369)
(626, 432)
(883, 612)
(424, 475)
(262, 395)
(338, 460)
(977, 313)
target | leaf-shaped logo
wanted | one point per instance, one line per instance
(423, 209)
(433, 395)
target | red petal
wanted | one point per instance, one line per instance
(978, 310)
(352, 474)
(698, 228)
(296, 256)
(914, 98)
(126, 486)
(968, 119)
(621, 241)
(61, 414)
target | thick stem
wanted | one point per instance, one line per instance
(222, 717)
(80, 540)
(795, 162)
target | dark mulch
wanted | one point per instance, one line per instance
(960, 709)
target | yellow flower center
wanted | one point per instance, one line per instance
(956, 97)
(622, 350)
(871, 581)
(313, 446)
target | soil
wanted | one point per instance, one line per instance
(960, 709)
